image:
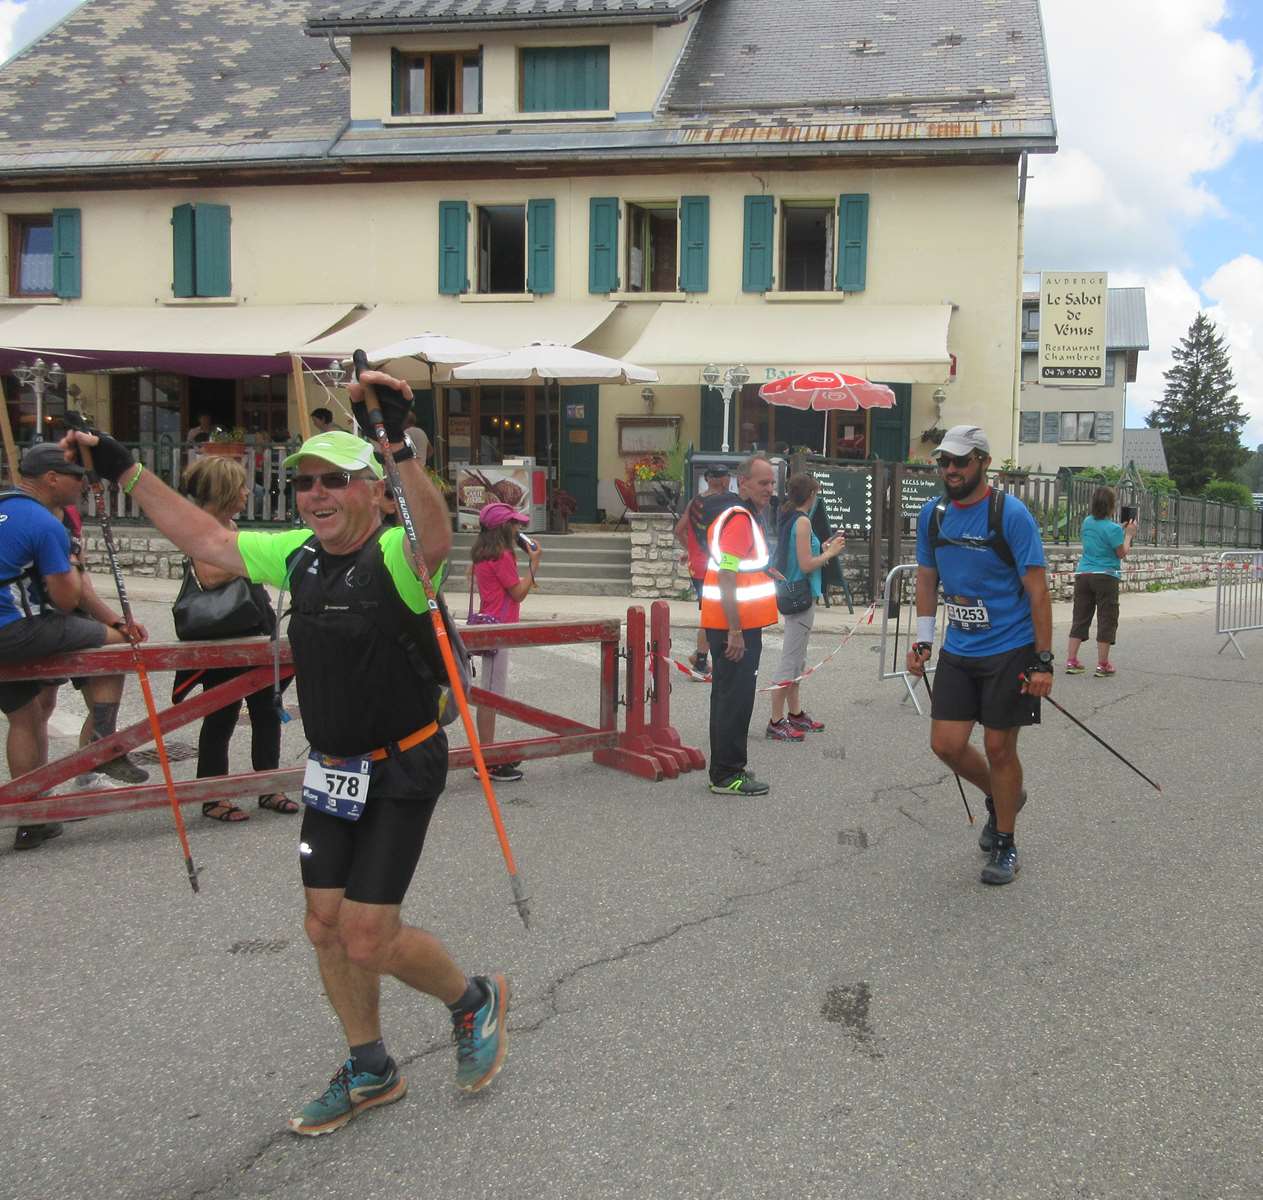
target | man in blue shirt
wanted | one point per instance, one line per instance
(996, 660)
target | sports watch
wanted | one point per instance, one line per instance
(1043, 662)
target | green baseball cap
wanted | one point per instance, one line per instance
(343, 449)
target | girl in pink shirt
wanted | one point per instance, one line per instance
(501, 591)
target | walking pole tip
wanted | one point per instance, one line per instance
(520, 901)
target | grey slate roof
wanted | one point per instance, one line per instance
(368, 16)
(1144, 448)
(915, 54)
(148, 77)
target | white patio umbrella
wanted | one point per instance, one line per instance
(551, 362)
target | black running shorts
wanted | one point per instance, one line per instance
(30, 638)
(373, 859)
(987, 689)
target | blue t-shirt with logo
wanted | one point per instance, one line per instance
(1101, 539)
(987, 608)
(29, 536)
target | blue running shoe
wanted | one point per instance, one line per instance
(481, 1036)
(348, 1095)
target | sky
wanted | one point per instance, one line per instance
(1159, 175)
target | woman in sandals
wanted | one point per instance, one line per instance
(217, 485)
(1096, 582)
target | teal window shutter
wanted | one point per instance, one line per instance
(853, 242)
(1052, 426)
(565, 78)
(756, 255)
(453, 247)
(212, 242)
(182, 278)
(67, 274)
(398, 84)
(541, 231)
(694, 243)
(1030, 427)
(603, 244)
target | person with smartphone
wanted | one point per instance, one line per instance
(1097, 581)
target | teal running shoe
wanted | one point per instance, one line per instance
(348, 1095)
(481, 1036)
(741, 784)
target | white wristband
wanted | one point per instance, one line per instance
(925, 629)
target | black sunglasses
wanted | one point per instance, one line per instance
(331, 481)
(954, 460)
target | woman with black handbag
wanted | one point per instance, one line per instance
(212, 605)
(799, 558)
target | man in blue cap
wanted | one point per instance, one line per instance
(367, 679)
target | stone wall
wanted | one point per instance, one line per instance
(656, 569)
(141, 551)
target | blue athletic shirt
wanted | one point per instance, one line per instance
(29, 535)
(988, 609)
(1101, 540)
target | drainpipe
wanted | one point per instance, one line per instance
(1015, 422)
(333, 49)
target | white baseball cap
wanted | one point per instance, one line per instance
(962, 440)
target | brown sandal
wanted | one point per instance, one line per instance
(278, 802)
(224, 810)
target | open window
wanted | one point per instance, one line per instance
(502, 248)
(438, 85)
(652, 247)
(807, 241)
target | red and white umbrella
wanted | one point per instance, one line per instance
(821, 391)
(824, 390)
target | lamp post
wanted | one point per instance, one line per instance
(37, 376)
(728, 381)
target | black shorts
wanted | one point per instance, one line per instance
(373, 859)
(987, 689)
(30, 638)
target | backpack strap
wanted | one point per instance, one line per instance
(995, 525)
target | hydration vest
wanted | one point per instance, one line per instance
(756, 593)
(367, 667)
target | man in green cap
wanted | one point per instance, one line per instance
(366, 667)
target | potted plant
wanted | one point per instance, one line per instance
(645, 474)
(565, 506)
(226, 441)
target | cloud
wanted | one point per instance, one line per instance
(10, 14)
(1237, 291)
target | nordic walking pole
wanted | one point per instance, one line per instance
(520, 900)
(142, 674)
(1103, 742)
(960, 785)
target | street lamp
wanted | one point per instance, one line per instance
(37, 376)
(728, 381)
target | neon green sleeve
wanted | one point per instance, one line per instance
(729, 562)
(395, 556)
(264, 554)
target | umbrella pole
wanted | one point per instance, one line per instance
(824, 450)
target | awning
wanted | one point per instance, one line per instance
(507, 324)
(897, 343)
(221, 342)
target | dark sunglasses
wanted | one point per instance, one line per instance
(331, 481)
(954, 460)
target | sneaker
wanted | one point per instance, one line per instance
(505, 773)
(124, 770)
(91, 781)
(1104, 670)
(481, 1036)
(804, 722)
(741, 784)
(1074, 667)
(1003, 865)
(32, 837)
(986, 839)
(347, 1096)
(783, 731)
(700, 663)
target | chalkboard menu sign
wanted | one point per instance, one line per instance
(847, 498)
(916, 490)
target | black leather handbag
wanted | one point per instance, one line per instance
(792, 596)
(230, 610)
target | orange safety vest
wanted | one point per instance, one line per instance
(756, 593)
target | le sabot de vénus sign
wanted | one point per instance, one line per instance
(1072, 328)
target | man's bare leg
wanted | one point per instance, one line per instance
(950, 742)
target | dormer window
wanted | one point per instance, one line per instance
(439, 85)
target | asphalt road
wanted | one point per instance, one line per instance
(805, 995)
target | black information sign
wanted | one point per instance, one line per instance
(916, 490)
(847, 499)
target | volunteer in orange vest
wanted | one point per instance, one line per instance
(738, 601)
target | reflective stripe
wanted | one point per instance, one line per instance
(760, 545)
(753, 591)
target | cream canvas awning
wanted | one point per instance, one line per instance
(897, 343)
(221, 341)
(506, 324)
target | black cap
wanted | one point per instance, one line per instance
(47, 456)
(717, 471)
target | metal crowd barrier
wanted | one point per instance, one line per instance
(1238, 596)
(898, 624)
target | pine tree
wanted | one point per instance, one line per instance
(1199, 414)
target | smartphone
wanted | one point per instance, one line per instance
(526, 543)
(1127, 513)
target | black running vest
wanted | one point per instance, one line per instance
(364, 661)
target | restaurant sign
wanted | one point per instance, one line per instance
(1072, 328)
